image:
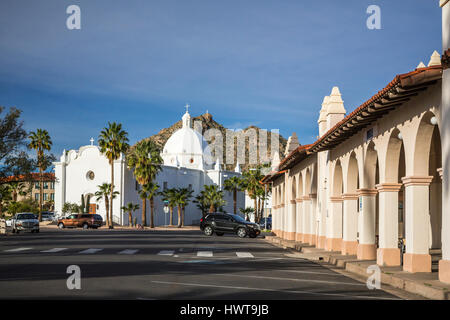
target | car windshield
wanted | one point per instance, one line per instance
(26, 216)
(237, 218)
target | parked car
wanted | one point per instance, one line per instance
(84, 221)
(48, 216)
(263, 224)
(220, 223)
(25, 221)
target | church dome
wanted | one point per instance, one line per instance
(186, 147)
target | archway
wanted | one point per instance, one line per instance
(292, 215)
(299, 209)
(369, 205)
(350, 207)
(306, 218)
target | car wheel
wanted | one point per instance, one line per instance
(219, 233)
(208, 231)
(37, 231)
(85, 226)
(13, 230)
(61, 225)
(241, 232)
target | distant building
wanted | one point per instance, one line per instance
(31, 186)
(187, 163)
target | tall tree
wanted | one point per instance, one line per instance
(5, 195)
(143, 194)
(202, 203)
(145, 161)
(113, 141)
(40, 141)
(12, 139)
(233, 184)
(214, 197)
(130, 208)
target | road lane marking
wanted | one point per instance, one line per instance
(204, 254)
(54, 250)
(294, 279)
(311, 272)
(128, 251)
(90, 251)
(166, 253)
(17, 249)
(244, 255)
(273, 290)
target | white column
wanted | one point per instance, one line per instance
(299, 219)
(388, 253)
(306, 234)
(444, 264)
(334, 235)
(350, 231)
(291, 224)
(367, 248)
(417, 216)
(313, 221)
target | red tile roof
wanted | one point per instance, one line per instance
(397, 92)
(34, 176)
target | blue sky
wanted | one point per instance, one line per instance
(266, 63)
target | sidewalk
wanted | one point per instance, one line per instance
(424, 284)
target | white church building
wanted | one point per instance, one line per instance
(187, 163)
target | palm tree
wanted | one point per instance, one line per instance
(233, 184)
(169, 195)
(152, 189)
(18, 188)
(214, 197)
(113, 141)
(104, 192)
(251, 183)
(130, 208)
(246, 211)
(40, 141)
(182, 196)
(146, 161)
(202, 203)
(143, 194)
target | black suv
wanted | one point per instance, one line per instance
(221, 223)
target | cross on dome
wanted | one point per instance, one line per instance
(187, 107)
(92, 141)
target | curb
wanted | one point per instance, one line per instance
(427, 288)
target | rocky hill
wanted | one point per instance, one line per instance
(207, 122)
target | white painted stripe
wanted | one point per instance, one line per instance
(244, 255)
(166, 253)
(54, 250)
(17, 249)
(311, 272)
(90, 251)
(128, 251)
(294, 279)
(204, 254)
(274, 290)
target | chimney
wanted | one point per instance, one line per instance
(335, 110)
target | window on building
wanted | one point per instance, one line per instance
(45, 185)
(165, 185)
(36, 185)
(36, 196)
(52, 196)
(136, 185)
(52, 185)
(190, 187)
(45, 196)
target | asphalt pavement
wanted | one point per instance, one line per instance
(181, 264)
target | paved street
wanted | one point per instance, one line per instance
(163, 265)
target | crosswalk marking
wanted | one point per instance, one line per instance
(244, 255)
(166, 253)
(204, 253)
(54, 250)
(128, 251)
(90, 251)
(17, 249)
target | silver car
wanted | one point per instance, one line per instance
(24, 222)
